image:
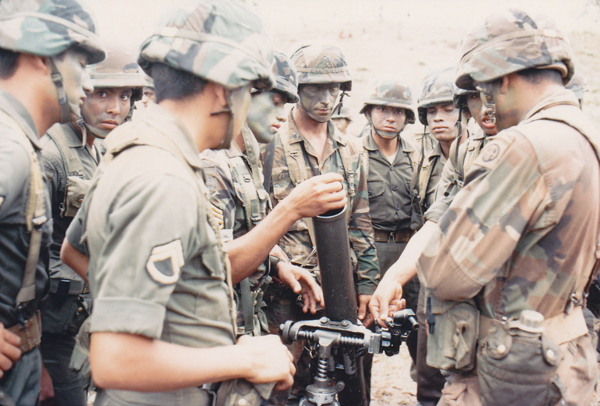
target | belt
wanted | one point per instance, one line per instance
(393, 236)
(67, 286)
(30, 333)
(560, 329)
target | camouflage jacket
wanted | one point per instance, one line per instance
(296, 242)
(424, 182)
(234, 194)
(523, 231)
(453, 174)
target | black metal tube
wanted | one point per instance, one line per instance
(333, 252)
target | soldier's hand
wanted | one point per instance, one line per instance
(386, 300)
(76, 190)
(46, 388)
(317, 195)
(9, 349)
(271, 361)
(302, 282)
(363, 315)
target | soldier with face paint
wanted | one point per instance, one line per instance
(70, 158)
(239, 200)
(44, 48)
(309, 144)
(342, 119)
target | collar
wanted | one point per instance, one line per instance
(11, 106)
(332, 131)
(165, 122)
(74, 136)
(562, 96)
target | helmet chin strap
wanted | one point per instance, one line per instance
(57, 79)
(490, 107)
(338, 109)
(226, 142)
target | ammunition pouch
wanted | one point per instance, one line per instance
(514, 364)
(453, 331)
(30, 332)
(241, 392)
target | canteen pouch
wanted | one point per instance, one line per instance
(240, 392)
(453, 328)
(516, 367)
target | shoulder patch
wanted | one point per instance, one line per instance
(165, 262)
(491, 153)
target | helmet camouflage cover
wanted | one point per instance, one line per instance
(119, 69)
(322, 63)
(511, 41)
(286, 77)
(221, 41)
(577, 85)
(438, 87)
(48, 28)
(393, 93)
(344, 112)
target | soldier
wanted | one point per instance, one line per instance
(309, 144)
(522, 235)
(342, 119)
(177, 334)
(70, 159)
(392, 160)
(240, 201)
(436, 110)
(148, 95)
(44, 48)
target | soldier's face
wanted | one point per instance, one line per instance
(76, 81)
(388, 120)
(148, 96)
(267, 112)
(318, 100)
(441, 119)
(480, 114)
(107, 107)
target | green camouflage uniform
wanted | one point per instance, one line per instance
(44, 28)
(523, 232)
(342, 154)
(173, 285)
(437, 88)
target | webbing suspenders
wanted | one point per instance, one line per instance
(74, 166)
(35, 216)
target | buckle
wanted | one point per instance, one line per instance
(39, 221)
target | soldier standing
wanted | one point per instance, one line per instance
(240, 201)
(529, 215)
(342, 119)
(43, 53)
(436, 111)
(70, 158)
(309, 144)
(173, 288)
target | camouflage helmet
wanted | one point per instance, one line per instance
(322, 63)
(48, 28)
(393, 93)
(460, 97)
(119, 69)
(344, 112)
(577, 85)
(438, 88)
(221, 41)
(285, 76)
(512, 41)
